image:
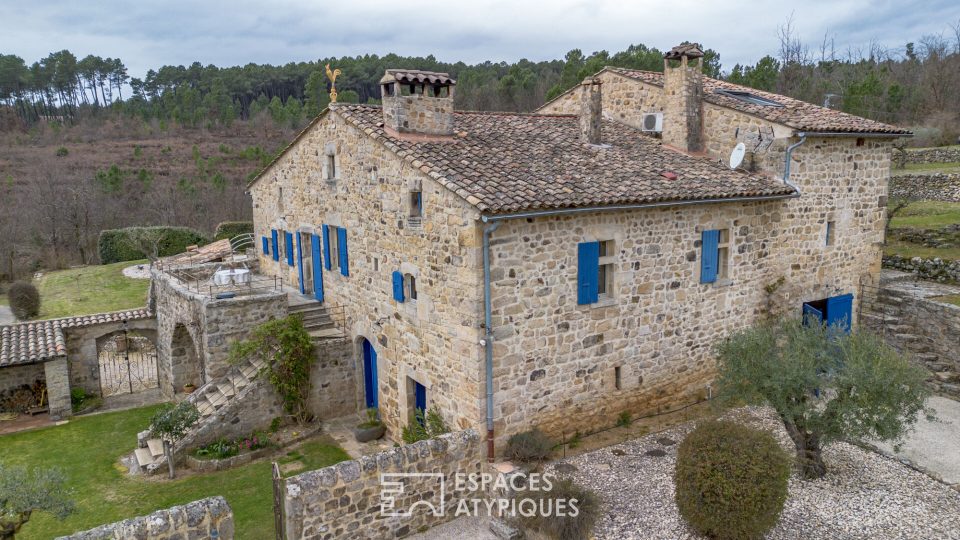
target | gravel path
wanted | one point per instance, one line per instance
(863, 496)
(6, 316)
(137, 271)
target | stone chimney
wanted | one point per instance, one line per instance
(418, 102)
(591, 110)
(683, 97)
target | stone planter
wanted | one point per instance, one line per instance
(212, 465)
(189, 388)
(367, 434)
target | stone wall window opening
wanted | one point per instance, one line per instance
(830, 236)
(605, 281)
(416, 400)
(388, 89)
(416, 204)
(723, 255)
(280, 198)
(334, 247)
(376, 264)
(331, 166)
(617, 381)
(410, 286)
(715, 256)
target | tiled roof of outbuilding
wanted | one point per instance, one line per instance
(38, 341)
(510, 162)
(797, 114)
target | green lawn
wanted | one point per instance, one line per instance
(910, 250)
(927, 215)
(90, 289)
(947, 167)
(87, 449)
(953, 299)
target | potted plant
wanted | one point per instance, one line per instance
(189, 388)
(372, 429)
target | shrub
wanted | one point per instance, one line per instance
(566, 524)
(229, 229)
(731, 480)
(62, 151)
(24, 300)
(624, 419)
(422, 427)
(133, 243)
(529, 447)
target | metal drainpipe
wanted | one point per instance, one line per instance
(787, 157)
(488, 228)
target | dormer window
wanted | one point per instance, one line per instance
(749, 97)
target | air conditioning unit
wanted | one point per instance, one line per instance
(652, 122)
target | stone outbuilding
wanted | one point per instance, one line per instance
(556, 269)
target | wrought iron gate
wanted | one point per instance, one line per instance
(128, 364)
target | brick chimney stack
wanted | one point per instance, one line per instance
(683, 97)
(591, 110)
(418, 102)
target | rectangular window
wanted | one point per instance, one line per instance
(616, 378)
(334, 247)
(830, 233)
(331, 167)
(416, 204)
(606, 269)
(411, 287)
(714, 255)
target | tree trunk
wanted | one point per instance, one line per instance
(168, 451)
(809, 452)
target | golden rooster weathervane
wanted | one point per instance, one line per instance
(332, 75)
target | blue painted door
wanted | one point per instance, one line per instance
(317, 267)
(811, 315)
(300, 261)
(840, 311)
(420, 400)
(370, 374)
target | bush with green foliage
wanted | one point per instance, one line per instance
(565, 525)
(171, 423)
(824, 384)
(62, 151)
(624, 419)
(229, 229)
(424, 426)
(529, 447)
(286, 349)
(731, 480)
(82, 401)
(24, 300)
(134, 243)
(22, 493)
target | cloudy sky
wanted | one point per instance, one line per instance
(148, 33)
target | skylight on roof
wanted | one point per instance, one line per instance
(749, 98)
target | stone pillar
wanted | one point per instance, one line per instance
(591, 111)
(57, 374)
(683, 98)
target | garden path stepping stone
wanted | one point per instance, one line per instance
(666, 441)
(565, 468)
(618, 452)
(656, 452)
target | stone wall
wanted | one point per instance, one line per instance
(910, 316)
(933, 269)
(206, 518)
(57, 375)
(947, 154)
(434, 339)
(13, 378)
(556, 362)
(932, 187)
(82, 349)
(418, 113)
(333, 390)
(195, 331)
(683, 104)
(343, 500)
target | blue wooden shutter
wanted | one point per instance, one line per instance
(317, 267)
(588, 272)
(274, 235)
(288, 241)
(397, 286)
(811, 315)
(266, 245)
(420, 399)
(839, 311)
(300, 261)
(326, 247)
(342, 248)
(709, 256)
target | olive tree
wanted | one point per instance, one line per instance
(825, 384)
(170, 424)
(23, 492)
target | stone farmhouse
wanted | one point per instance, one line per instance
(555, 269)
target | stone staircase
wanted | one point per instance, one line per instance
(209, 399)
(316, 319)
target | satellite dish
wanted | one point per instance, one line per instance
(736, 157)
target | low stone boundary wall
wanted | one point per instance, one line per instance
(933, 187)
(343, 500)
(206, 518)
(932, 155)
(933, 269)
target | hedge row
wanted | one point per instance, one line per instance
(117, 245)
(229, 229)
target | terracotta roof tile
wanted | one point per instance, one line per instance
(38, 341)
(794, 113)
(511, 162)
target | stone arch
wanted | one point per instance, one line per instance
(126, 360)
(185, 360)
